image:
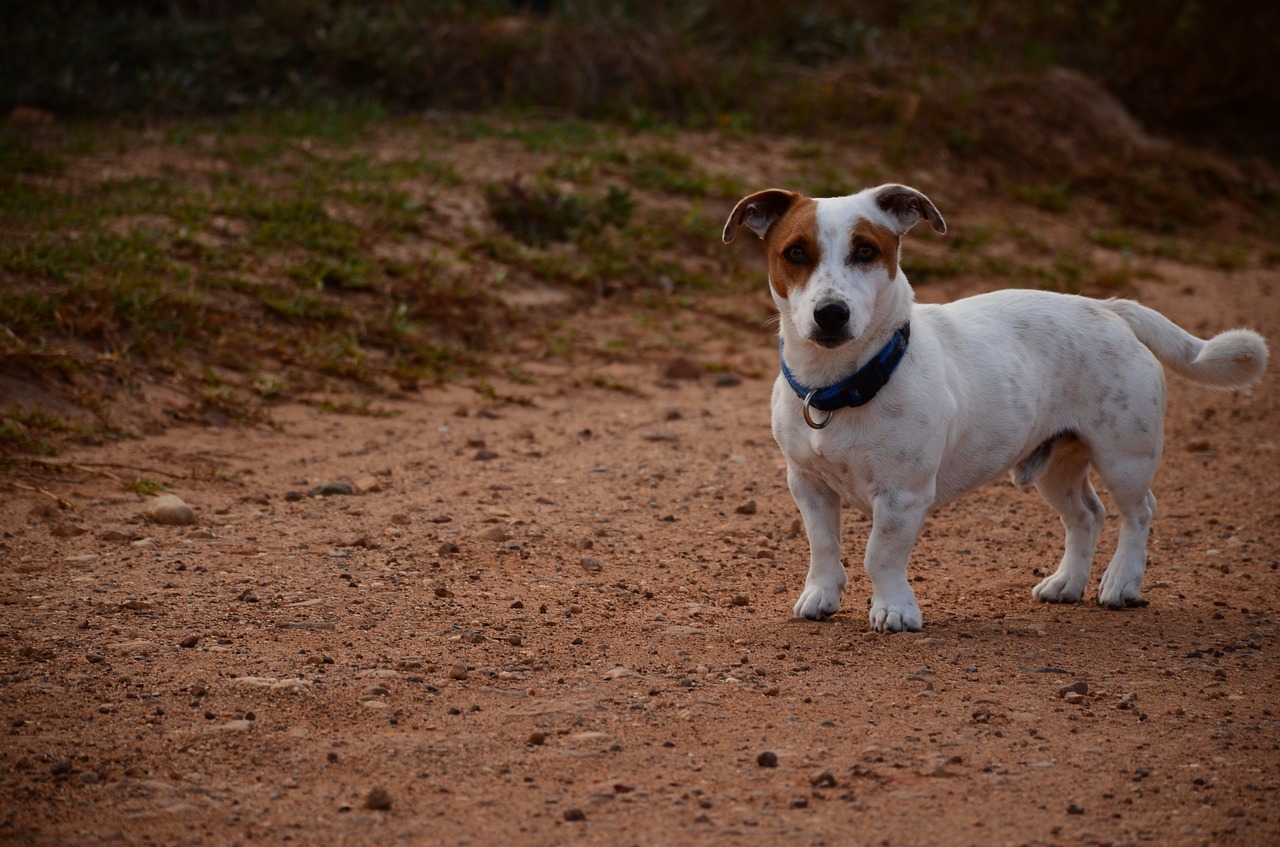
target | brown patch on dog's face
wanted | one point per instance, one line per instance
(792, 247)
(871, 244)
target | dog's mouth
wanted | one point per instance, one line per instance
(830, 340)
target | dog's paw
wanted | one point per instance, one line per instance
(899, 617)
(818, 602)
(1059, 588)
(1120, 591)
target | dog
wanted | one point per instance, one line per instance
(895, 407)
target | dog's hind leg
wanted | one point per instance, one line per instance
(1121, 583)
(1064, 483)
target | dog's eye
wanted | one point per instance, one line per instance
(865, 253)
(796, 255)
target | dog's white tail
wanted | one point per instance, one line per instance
(1232, 359)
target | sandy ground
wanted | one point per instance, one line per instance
(568, 620)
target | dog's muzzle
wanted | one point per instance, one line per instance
(832, 320)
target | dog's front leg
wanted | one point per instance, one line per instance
(896, 518)
(820, 509)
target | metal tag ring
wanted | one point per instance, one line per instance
(808, 419)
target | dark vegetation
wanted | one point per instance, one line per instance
(241, 202)
(1182, 66)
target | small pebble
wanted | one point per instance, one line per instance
(189, 642)
(1073, 809)
(449, 549)
(747, 508)
(60, 768)
(591, 565)
(537, 739)
(330, 489)
(823, 780)
(379, 799)
(368, 485)
(767, 759)
(1081, 688)
(458, 671)
(683, 368)
(574, 815)
(169, 509)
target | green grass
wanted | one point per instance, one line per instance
(253, 260)
(147, 487)
(30, 432)
(1050, 197)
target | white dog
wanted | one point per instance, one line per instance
(896, 408)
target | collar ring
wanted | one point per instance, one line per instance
(809, 419)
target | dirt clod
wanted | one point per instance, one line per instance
(378, 799)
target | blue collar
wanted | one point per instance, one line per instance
(858, 389)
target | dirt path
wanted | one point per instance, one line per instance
(568, 621)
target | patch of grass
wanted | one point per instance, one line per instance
(806, 150)
(360, 406)
(971, 239)
(1117, 279)
(147, 487)
(17, 156)
(564, 343)
(31, 432)
(214, 473)
(1052, 197)
(823, 177)
(671, 171)
(922, 269)
(262, 255)
(540, 214)
(611, 383)
(1113, 239)
(577, 169)
(542, 136)
(1231, 257)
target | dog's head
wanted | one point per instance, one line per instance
(833, 261)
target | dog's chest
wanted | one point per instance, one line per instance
(845, 467)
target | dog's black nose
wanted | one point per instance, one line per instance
(831, 317)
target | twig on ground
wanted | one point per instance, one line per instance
(54, 497)
(91, 467)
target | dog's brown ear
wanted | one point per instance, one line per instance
(759, 211)
(908, 206)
